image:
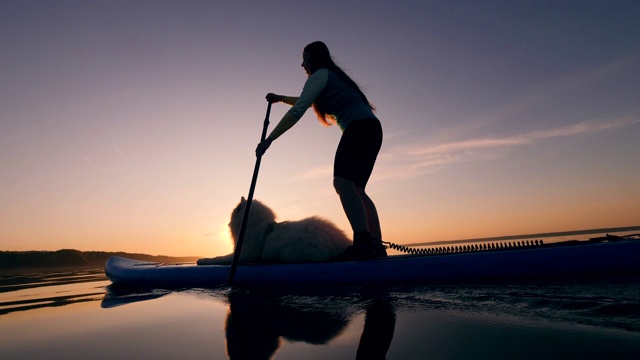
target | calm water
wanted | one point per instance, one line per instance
(78, 315)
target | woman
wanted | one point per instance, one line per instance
(338, 99)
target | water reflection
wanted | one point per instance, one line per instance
(23, 292)
(259, 322)
(595, 319)
(118, 295)
(379, 325)
(256, 324)
(589, 319)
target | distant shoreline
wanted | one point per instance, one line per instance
(14, 272)
(11, 261)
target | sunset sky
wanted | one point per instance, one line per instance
(131, 125)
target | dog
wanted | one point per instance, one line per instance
(312, 239)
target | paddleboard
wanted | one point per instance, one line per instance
(576, 258)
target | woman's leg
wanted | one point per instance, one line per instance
(373, 221)
(352, 203)
(363, 218)
(354, 161)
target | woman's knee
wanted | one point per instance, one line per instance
(342, 185)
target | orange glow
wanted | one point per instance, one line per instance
(145, 143)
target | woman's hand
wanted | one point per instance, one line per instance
(263, 146)
(273, 98)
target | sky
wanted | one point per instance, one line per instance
(131, 125)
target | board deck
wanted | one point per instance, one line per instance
(555, 260)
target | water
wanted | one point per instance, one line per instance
(79, 315)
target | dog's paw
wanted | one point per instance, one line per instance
(206, 261)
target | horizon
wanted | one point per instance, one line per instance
(557, 235)
(132, 126)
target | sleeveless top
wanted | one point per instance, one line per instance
(338, 99)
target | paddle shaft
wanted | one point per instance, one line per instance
(245, 216)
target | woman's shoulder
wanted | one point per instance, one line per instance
(320, 76)
(322, 72)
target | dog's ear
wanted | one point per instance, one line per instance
(242, 200)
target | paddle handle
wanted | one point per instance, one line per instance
(245, 216)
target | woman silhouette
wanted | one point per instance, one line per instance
(337, 99)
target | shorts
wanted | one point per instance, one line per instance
(358, 150)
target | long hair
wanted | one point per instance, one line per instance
(319, 57)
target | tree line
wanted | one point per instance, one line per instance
(71, 257)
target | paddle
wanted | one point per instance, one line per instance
(245, 216)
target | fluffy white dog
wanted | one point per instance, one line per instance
(308, 240)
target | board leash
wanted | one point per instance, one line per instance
(463, 248)
(496, 246)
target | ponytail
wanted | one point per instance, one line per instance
(321, 58)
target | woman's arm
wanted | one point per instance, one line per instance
(275, 98)
(312, 88)
(289, 100)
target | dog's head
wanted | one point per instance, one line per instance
(258, 213)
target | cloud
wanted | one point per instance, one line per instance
(419, 156)
(572, 87)
(321, 172)
(466, 145)
(416, 159)
(121, 154)
(92, 164)
(584, 128)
